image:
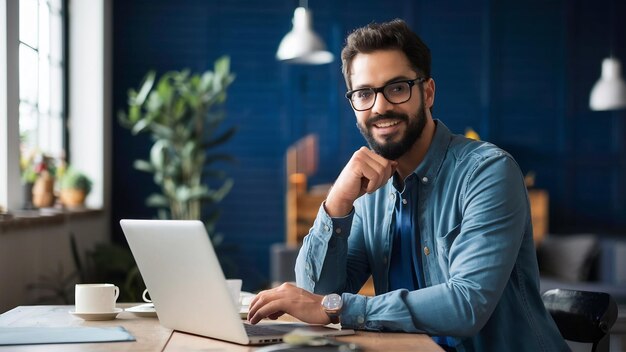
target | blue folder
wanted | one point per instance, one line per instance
(49, 335)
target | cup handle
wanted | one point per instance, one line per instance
(117, 293)
(144, 296)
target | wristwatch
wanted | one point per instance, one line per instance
(332, 305)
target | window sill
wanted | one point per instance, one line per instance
(43, 217)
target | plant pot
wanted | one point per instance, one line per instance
(73, 198)
(43, 191)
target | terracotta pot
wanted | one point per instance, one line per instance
(73, 198)
(43, 191)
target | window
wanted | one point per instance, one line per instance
(32, 88)
(46, 104)
(41, 77)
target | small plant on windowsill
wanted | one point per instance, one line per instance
(74, 188)
(38, 175)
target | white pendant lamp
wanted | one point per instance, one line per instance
(302, 45)
(609, 93)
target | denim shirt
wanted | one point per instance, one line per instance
(480, 266)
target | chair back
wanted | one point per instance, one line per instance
(582, 316)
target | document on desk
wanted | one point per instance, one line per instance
(50, 335)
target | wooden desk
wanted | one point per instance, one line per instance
(151, 336)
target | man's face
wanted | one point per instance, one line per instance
(390, 129)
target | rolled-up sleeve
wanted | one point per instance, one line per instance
(327, 242)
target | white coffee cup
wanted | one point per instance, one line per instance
(96, 298)
(234, 286)
(146, 296)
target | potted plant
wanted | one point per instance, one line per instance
(38, 176)
(181, 113)
(74, 188)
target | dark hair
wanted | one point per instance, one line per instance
(390, 35)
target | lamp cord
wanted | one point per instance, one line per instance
(611, 26)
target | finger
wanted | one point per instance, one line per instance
(263, 298)
(376, 169)
(276, 315)
(376, 175)
(266, 310)
(256, 297)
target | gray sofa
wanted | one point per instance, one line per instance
(586, 262)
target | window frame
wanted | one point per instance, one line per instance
(10, 197)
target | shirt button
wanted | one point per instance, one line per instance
(404, 201)
(392, 196)
(326, 228)
(426, 250)
(338, 230)
(360, 320)
(385, 260)
(425, 179)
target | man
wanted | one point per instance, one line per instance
(441, 222)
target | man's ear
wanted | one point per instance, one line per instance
(429, 93)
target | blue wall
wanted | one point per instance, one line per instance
(520, 73)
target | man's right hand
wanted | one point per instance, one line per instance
(365, 173)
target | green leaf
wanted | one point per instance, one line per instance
(146, 86)
(134, 113)
(165, 90)
(182, 193)
(157, 153)
(143, 165)
(154, 103)
(225, 189)
(222, 65)
(156, 200)
(161, 131)
(140, 126)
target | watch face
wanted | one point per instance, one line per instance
(332, 302)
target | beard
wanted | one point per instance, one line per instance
(389, 149)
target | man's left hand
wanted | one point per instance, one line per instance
(289, 299)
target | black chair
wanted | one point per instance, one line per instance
(582, 316)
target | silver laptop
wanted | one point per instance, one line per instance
(187, 285)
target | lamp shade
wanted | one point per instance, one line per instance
(302, 45)
(609, 93)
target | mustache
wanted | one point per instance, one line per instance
(388, 115)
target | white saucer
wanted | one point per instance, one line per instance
(143, 310)
(97, 316)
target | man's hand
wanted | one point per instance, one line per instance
(289, 299)
(365, 173)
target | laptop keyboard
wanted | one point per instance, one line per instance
(266, 330)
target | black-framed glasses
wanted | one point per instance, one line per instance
(397, 92)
